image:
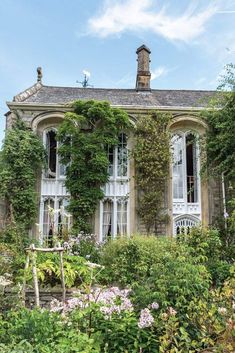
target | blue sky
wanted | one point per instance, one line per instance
(190, 40)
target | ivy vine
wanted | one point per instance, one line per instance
(152, 159)
(21, 158)
(84, 135)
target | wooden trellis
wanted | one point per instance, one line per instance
(33, 250)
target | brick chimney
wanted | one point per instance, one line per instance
(143, 73)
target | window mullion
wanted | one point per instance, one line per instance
(184, 170)
(114, 217)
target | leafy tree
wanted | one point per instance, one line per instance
(21, 158)
(84, 136)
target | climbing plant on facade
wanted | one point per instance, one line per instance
(152, 159)
(220, 141)
(84, 136)
(21, 158)
(220, 151)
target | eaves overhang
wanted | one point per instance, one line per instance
(129, 108)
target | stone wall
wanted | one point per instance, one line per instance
(45, 296)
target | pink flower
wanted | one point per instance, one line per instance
(146, 319)
(155, 306)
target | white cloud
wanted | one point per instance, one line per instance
(226, 11)
(119, 16)
(159, 71)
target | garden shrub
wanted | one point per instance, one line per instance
(14, 237)
(168, 307)
(129, 260)
(157, 269)
(205, 246)
(40, 331)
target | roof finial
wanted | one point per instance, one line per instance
(39, 71)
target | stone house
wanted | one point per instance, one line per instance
(189, 200)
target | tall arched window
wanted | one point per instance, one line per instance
(185, 181)
(185, 168)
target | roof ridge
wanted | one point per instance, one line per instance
(130, 89)
(20, 97)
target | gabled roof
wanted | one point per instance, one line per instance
(40, 94)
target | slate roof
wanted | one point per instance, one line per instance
(40, 94)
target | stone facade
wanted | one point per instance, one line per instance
(43, 107)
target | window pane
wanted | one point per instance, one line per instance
(121, 217)
(177, 142)
(48, 218)
(63, 221)
(111, 160)
(51, 145)
(62, 169)
(191, 163)
(122, 156)
(107, 218)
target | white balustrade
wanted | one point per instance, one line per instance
(52, 187)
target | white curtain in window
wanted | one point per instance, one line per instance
(107, 217)
(122, 217)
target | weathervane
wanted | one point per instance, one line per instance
(84, 83)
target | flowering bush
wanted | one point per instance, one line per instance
(166, 305)
(85, 245)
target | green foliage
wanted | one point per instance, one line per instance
(48, 270)
(220, 151)
(42, 332)
(84, 136)
(84, 245)
(20, 159)
(205, 246)
(159, 270)
(220, 143)
(191, 317)
(152, 159)
(15, 237)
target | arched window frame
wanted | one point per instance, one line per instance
(183, 223)
(184, 135)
